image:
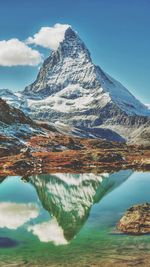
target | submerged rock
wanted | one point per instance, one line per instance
(136, 220)
(6, 242)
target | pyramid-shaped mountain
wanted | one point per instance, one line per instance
(70, 90)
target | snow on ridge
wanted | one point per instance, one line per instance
(148, 106)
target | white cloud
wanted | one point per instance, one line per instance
(49, 232)
(49, 37)
(14, 215)
(14, 52)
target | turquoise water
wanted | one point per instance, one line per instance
(70, 219)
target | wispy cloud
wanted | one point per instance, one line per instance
(16, 53)
(14, 215)
(49, 37)
(49, 232)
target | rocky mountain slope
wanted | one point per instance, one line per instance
(17, 100)
(13, 122)
(10, 115)
(141, 136)
(15, 128)
(18, 131)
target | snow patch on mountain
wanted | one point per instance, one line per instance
(148, 106)
(70, 99)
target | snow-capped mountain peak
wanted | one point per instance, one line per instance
(69, 81)
(70, 89)
(70, 64)
(73, 46)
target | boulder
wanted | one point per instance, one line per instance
(136, 220)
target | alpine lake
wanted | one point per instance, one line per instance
(70, 219)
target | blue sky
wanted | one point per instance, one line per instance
(117, 33)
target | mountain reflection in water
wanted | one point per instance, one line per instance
(53, 207)
(69, 198)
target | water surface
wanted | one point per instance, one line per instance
(70, 219)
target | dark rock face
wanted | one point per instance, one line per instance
(15, 127)
(9, 146)
(10, 115)
(136, 220)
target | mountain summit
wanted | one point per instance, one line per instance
(70, 64)
(70, 89)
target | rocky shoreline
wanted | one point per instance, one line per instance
(86, 160)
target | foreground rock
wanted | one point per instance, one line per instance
(136, 220)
